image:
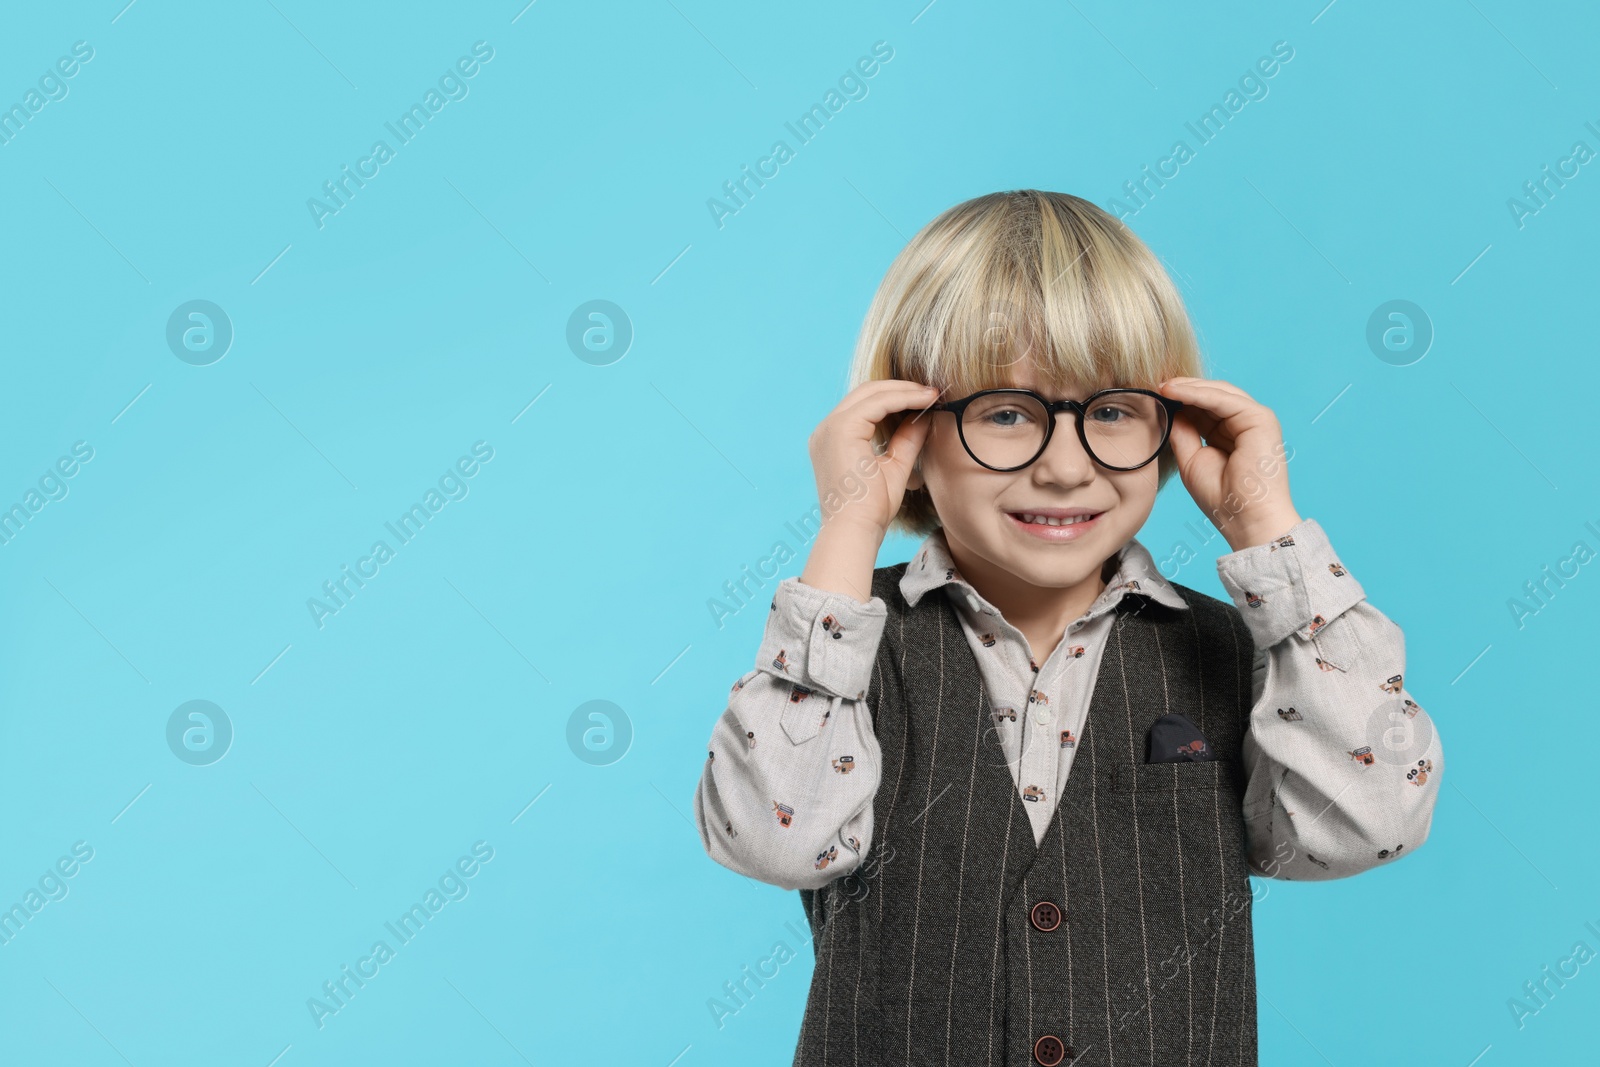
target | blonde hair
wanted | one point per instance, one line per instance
(1022, 275)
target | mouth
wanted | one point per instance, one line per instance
(1056, 524)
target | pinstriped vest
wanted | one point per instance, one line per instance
(935, 951)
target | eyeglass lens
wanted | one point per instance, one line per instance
(1124, 429)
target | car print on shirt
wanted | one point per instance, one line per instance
(1320, 863)
(831, 625)
(750, 735)
(1037, 697)
(1363, 755)
(988, 639)
(1253, 600)
(1336, 570)
(1393, 685)
(1317, 622)
(1283, 542)
(825, 858)
(1411, 707)
(1033, 793)
(1323, 664)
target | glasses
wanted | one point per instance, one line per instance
(1007, 429)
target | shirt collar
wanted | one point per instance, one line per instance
(1136, 572)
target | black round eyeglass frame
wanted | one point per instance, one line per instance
(1077, 407)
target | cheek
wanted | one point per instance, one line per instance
(1138, 488)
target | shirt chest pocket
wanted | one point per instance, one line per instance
(1336, 646)
(804, 714)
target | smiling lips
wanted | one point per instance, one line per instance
(1055, 524)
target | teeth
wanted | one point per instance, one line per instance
(1040, 520)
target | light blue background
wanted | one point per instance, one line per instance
(427, 314)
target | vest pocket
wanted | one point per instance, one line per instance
(1174, 777)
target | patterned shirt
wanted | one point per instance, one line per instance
(797, 726)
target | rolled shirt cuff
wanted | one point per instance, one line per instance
(1293, 584)
(822, 640)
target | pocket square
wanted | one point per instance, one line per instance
(1174, 739)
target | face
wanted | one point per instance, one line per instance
(1001, 555)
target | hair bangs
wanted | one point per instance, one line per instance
(1019, 281)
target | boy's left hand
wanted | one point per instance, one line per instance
(1238, 476)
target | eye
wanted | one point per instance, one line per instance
(1008, 417)
(1111, 412)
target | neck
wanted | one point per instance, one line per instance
(1042, 614)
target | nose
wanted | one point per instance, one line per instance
(1064, 460)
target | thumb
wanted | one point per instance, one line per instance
(906, 445)
(1185, 442)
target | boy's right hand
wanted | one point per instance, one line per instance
(843, 457)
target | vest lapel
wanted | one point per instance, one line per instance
(1105, 743)
(934, 624)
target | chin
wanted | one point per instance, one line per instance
(1066, 577)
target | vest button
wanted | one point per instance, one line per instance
(1046, 916)
(1049, 1050)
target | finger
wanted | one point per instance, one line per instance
(884, 413)
(880, 398)
(1228, 413)
(1207, 425)
(1197, 465)
(1199, 418)
(1219, 398)
(1185, 441)
(1217, 382)
(905, 445)
(899, 458)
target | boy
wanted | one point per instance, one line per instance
(1021, 779)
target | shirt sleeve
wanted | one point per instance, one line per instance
(1343, 766)
(793, 765)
